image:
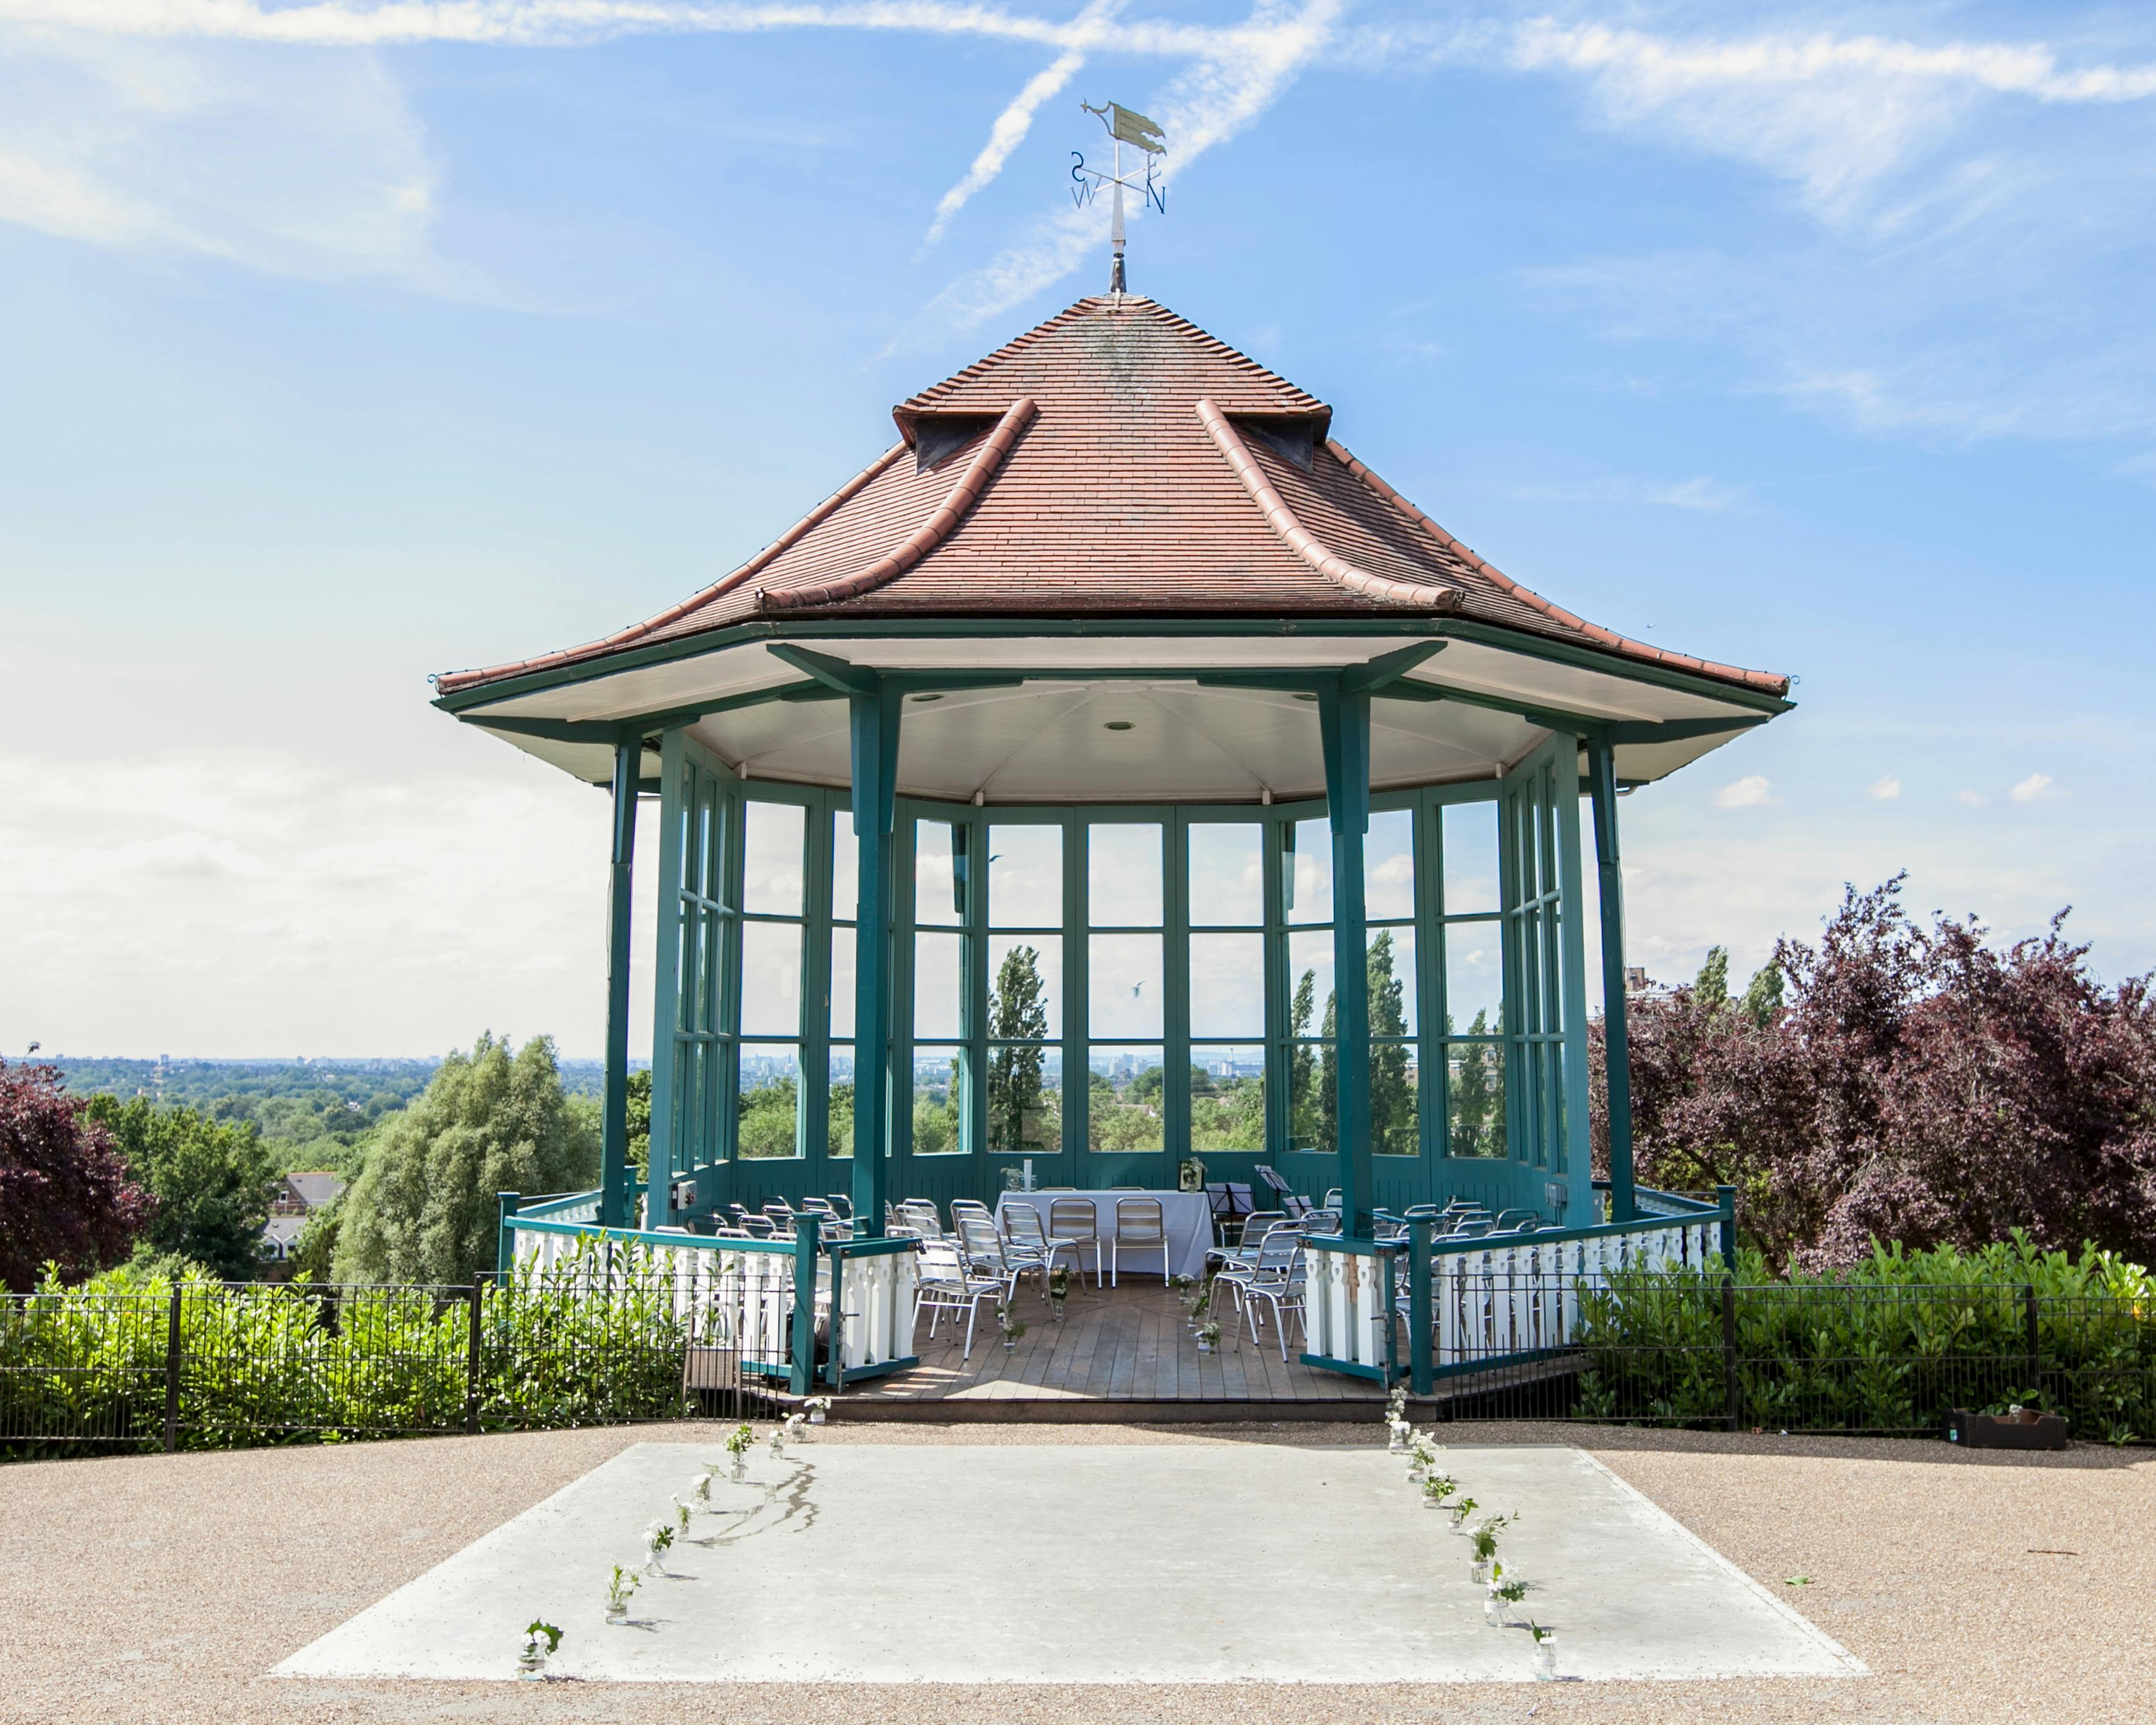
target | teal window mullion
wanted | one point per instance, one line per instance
(813, 1126)
(973, 1003)
(1175, 987)
(1432, 1074)
(905, 832)
(1076, 964)
(1271, 851)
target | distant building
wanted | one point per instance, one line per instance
(298, 1197)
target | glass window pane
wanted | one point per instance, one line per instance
(1123, 985)
(1470, 857)
(1389, 865)
(1025, 1100)
(1393, 981)
(1310, 1100)
(1394, 1129)
(939, 1100)
(1227, 984)
(1227, 1098)
(840, 1111)
(938, 893)
(1123, 876)
(1475, 1092)
(1123, 1100)
(1309, 982)
(845, 866)
(842, 982)
(768, 1118)
(1307, 875)
(770, 979)
(936, 974)
(1227, 872)
(1025, 986)
(772, 851)
(1025, 877)
(1474, 979)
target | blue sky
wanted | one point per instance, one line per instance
(342, 343)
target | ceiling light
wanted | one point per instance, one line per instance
(1117, 725)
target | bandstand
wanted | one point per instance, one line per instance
(1118, 773)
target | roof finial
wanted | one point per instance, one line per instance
(1126, 126)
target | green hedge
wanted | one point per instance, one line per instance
(1894, 1344)
(259, 1363)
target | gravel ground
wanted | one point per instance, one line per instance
(162, 1588)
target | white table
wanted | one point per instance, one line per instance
(1187, 1217)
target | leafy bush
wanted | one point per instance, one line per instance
(268, 1363)
(64, 1190)
(1894, 1343)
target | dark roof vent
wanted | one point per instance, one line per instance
(937, 437)
(1295, 440)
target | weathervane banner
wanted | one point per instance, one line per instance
(1130, 126)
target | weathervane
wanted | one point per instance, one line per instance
(1126, 126)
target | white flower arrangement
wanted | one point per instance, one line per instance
(541, 1640)
(620, 1586)
(657, 1537)
(817, 1406)
(702, 1486)
(680, 1517)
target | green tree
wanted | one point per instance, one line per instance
(1302, 1067)
(769, 1121)
(1392, 1095)
(1477, 1126)
(424, 1210)
(213, 1181)
(1712, 987)
(1018, 1019)
(640, 1124)
(1762, 996)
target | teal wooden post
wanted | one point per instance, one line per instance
(801, 1367)
(875, 716)
(1422, 1376)
(507, 1204)
(1726, 1197)
(614, 1131)
(1616, 1035)
(1344, 723)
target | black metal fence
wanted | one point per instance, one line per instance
(1695, 1351)
(206, 1365)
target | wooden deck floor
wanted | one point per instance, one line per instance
(1123, 1345)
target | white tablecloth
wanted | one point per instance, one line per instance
(1187, 1217)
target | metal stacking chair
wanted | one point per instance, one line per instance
(1277, 1281)
(982, 1249)
(920, 1215)
(961, 1207)
(759, 1227)
(1140, 1225)
(946, 1285)
(841, 1205)
(1255, 1227)
(1022, 1233)
(1075, 1220)
(781, 1213)
(1515, 1221)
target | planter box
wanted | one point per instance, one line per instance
(2028, 1431)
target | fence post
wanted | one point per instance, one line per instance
(172, 1374)
(2036, 1342)
(472, 1358)
(802, 1379)
(1725, 1197)
(1421, 1378)
(1729, 1349)
(505, 1242)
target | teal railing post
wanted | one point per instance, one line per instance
(1725, 1198)
(874, 711)
(1616, 1033)
(1422, 1377)
(834, 1369)
(802, 1377)
(505, 1242)
(1344, 730)
(621, 897)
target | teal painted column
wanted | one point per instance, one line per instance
(875, 723)
(1344, 724)
(1617, 1040)
(613, 1137)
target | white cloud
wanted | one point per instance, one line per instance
(2037, 787)
(1971, 800)
(1750, 791)
(1011, 126)
(1885, 790)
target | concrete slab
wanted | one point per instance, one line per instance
(1186, 1564)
